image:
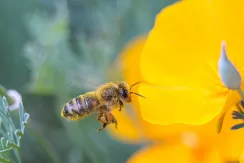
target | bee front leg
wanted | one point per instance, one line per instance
(120, 105)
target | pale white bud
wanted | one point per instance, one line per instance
(227, 71)
(16, 99)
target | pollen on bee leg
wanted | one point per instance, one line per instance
(104, 120)
(107, 118)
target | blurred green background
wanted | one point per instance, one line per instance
(53, 50)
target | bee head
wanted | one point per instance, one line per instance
(69, 113)
(125, 91)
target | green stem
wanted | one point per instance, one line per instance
(240, 93)
(6, 150)
(3, 92)
(19, 156)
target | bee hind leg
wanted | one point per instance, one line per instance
(103, 118)
(99, 117)
(107, 118)
(114, 120)
(104, 126)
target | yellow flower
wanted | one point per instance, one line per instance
(190, 143)
(180, 60)
(134, 127)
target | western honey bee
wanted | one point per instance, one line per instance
(102, 100)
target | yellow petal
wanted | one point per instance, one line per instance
(231, 142)
(208, 155)
(129, 123)
(133, 129)
(169, 132)
(166, 105)
(179, 46)
(129, 128)
(174, 154)
(130, 59)
(188, 35)
(160, 154)
(130, 120)
(241, 159)
(179, 60)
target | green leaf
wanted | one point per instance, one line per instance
(4, 160)
(3, 143)
(5, 150)
(21, 115)
(13, 145)
(10, 142)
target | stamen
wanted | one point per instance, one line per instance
(238, 126)
(239, 115)
(242, 103)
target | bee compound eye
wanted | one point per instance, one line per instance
(124, 94)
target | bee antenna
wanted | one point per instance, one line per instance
(137, 94)
(134, 84)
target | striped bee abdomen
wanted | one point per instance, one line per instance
(81, 107)
(90, 101)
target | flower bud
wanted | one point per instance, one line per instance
(227, 71)
(16, 98)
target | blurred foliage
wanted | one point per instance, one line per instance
(54, 50)
(10, 135)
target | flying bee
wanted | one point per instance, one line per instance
(103, 100)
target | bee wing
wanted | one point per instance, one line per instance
(88, 82)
